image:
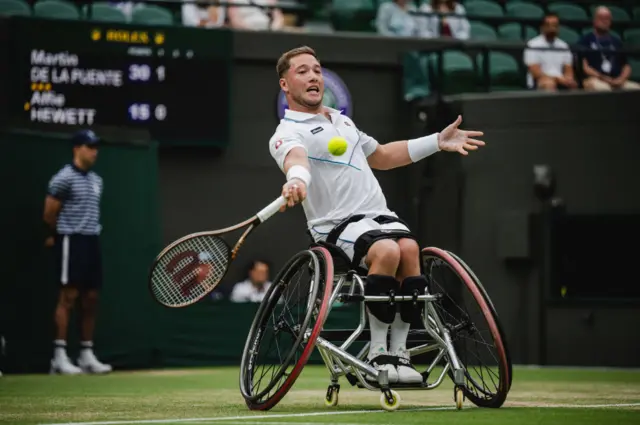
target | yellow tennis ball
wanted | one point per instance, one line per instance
(337, 145)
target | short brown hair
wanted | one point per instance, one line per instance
(285, 60)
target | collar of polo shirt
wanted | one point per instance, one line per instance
(304, 116)
(78, 169)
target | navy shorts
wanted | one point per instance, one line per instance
(79, 261)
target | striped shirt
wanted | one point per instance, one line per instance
(80, 192)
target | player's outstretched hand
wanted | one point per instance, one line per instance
(452, 139)
(295, 191)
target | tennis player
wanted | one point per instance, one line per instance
(344, 204)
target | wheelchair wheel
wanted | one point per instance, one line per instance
(467, 312)
(276, 349)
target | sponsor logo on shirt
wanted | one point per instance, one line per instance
(317, 130)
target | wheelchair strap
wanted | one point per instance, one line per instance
(334, 234)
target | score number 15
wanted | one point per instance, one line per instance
(142, 72)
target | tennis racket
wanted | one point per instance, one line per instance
(192, 266)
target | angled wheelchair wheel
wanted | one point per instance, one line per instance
(468, 313)
(285, 328)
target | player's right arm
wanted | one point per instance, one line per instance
(291, 156)
(58, 191)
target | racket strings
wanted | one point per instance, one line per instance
(190, 269)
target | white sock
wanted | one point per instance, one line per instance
(60, 348)
(379, 332)
(86, 347)
(399, 334)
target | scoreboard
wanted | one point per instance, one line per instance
(172, 81)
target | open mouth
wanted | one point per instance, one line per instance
(313, 89)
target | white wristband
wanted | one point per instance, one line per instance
(299, 172)
(423, 147)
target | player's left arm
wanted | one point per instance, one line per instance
(405, 152)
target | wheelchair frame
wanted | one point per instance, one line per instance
(341, 363)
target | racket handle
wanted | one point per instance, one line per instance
(271, 209)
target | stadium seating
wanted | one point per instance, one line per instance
(632, 37)
(504, 72)
(14, 7)
(56, 9)
(635, 69)
(478, 8)
(513, 32)
(568, 35)
(353, 15)
(481, 31)
(458, 73)
(524, 10)
(568, 11)
(416, 83)
(152, 15)
(104, 12)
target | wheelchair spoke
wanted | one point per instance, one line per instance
(469, 329)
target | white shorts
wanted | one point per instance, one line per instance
(352, 232)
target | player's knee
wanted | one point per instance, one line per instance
(89, 300)
(384, 254)
(68, 297)
(412, 286)
(409, 250)
(381, 285)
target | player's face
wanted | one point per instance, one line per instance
(303, 81)
(87, 155)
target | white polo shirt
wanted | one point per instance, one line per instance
(551, 62)
(340, 185)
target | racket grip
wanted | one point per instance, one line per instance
(271, 209)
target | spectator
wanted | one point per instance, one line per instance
(72, 216)
(194, 15)
(548, 69)
(255, 286)
(393, 18)
(445, 26)
(604, 68)
(255, 17)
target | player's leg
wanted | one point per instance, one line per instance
(66, 270)
(411, 280)
(92, 283)
(381, 258)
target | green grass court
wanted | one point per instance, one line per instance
(212, 396)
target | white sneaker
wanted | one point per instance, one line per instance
(383, 361)
(90, 364)
(407, 374)
(62, 365)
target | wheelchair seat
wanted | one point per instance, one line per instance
(341, 262)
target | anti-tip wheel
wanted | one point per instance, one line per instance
(390, 405)
(459, 398)
(332, 399)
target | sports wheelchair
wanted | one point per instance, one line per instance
(459, 332)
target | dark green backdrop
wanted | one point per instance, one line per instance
(28, 288)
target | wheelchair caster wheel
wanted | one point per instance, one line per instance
(459, 397)
(331, 400)
(390, 400)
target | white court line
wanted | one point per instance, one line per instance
(243, 418)
(247, 418)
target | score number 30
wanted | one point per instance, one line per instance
(142, 72)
